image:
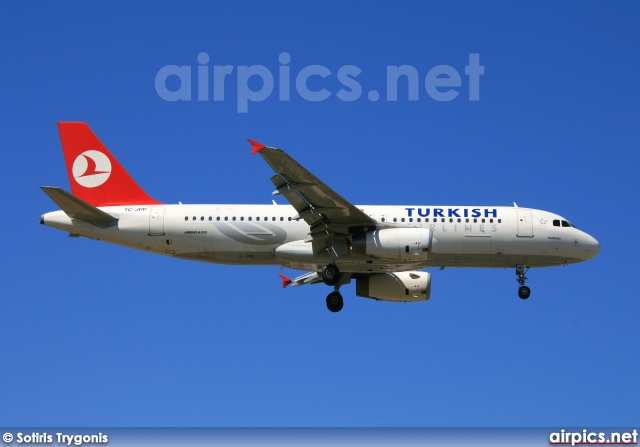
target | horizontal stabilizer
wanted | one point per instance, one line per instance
(77, 208)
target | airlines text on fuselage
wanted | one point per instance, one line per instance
(452, 212)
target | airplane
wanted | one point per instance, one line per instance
(383, 248)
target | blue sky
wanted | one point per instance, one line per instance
(98, 335)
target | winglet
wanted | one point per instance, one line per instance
(256, 147)
(285, 281)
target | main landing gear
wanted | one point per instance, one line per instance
(523, 291)
(335, 301)
(331, 277)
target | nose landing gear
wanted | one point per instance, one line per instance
(523, 291)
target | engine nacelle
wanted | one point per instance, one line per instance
(404, 244)
(400, 286)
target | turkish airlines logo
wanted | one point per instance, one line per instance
(91, 169)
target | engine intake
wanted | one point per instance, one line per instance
(404, 244)
(400, 286)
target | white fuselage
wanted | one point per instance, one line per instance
(250, 234)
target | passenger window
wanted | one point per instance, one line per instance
(459, 220)
(411, 219)
(218, 218)
(226, 218)
(556, 223)
(194, 217)
(419, 220)
(402, 220)
(289, 219)
(443, 219)
(258, 218)
(210, 218)
(475, 220)
(233, 218)
(499, 220)
(467, 220)
(201, 217)
(249, 218)
(186, 217)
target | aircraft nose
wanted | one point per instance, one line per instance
(592, 246)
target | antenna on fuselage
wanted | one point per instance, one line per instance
(515, 205)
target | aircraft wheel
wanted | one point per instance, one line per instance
(334, 302)
(331, 275)
(524, 292)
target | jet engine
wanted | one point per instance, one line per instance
(400, 286)
(404, 244)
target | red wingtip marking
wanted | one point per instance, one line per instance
(285, 281)
(255, 146)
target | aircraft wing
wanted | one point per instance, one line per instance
(327, 212)
(307, 278)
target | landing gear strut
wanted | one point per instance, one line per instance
(523, 291)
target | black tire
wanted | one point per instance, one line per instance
(335, 302)
(524, 292)
(331, 275)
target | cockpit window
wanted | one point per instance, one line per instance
(563, 223)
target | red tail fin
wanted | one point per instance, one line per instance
(94, 173)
